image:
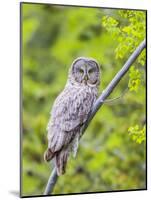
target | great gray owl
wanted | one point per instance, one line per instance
(70, 111)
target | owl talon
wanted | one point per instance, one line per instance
(48, 155)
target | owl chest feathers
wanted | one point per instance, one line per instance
(71, 108)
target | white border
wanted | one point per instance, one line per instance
(9, 97)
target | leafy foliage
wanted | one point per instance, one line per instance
(107, 159)
(129, 34)
(137, 134)
(134, 79)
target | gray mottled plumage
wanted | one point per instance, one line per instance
(70, 111)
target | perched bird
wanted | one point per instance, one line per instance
(70, 111)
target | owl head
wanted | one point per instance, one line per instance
(85, 71)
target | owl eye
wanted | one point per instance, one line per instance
(91, 71)
(81, 71)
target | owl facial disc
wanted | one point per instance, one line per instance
(86, 71)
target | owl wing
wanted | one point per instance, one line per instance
(69, 113)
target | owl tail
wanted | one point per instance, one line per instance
(48, 155)
(61, 158)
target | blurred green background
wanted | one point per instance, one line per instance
(111, 155)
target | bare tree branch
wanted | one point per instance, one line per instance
(99, 102)
(51, 182)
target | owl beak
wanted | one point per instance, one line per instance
(85, 77)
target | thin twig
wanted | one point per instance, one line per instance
(99, 102)
(111, 101)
